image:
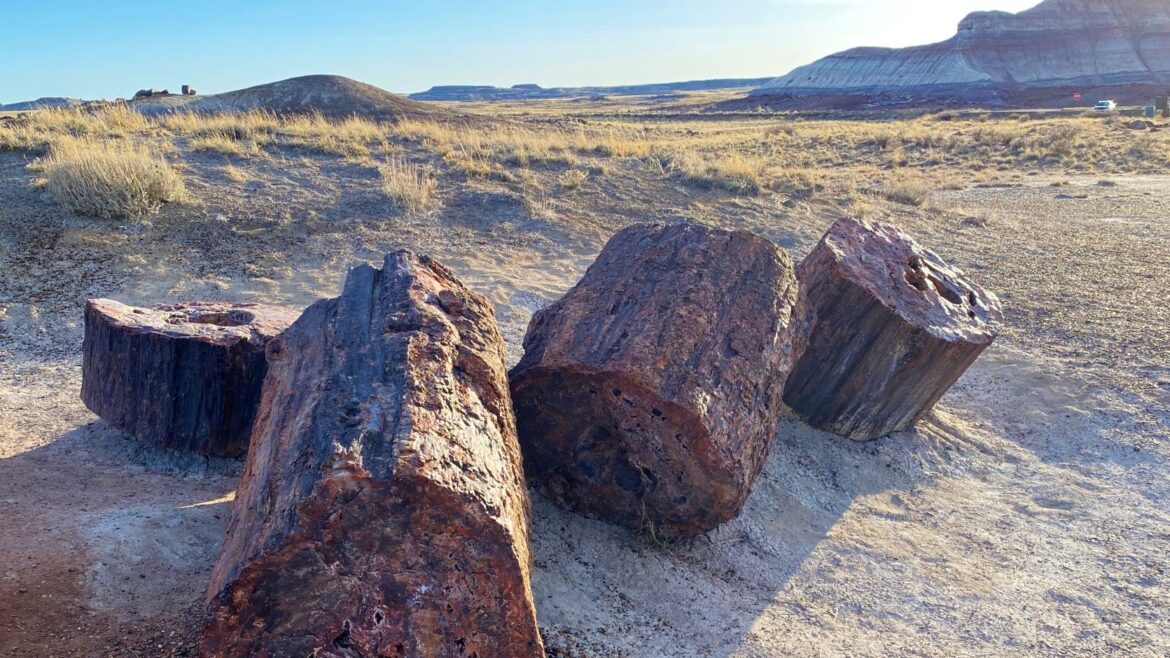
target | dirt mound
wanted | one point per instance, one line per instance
(330, 95)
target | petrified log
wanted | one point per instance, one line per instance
(650, 394)
(382, 511)
(185, 377)
(891, 327)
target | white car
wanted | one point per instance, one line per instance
(1105, 106)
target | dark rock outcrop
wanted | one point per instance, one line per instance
(185, 377)
(1059, 45)
(891, 328)
(383, 510)
(650, 394)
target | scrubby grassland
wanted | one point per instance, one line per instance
(552, 152)
(1027, 516)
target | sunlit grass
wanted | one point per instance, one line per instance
(109, 179)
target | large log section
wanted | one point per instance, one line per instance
(892, 328)
(382, 511)
(185, 377)
(650, 394)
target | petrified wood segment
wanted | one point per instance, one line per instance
(382, 511)
(891, 328)
(650, 394)
(185, 377)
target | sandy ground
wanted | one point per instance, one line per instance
(1028, 516)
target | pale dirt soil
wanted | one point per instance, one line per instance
(1028, 516)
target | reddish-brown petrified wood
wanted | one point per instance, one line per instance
(185, 377)
(650, 394)
(891, 329)
(382, 511)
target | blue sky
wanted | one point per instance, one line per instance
(111, 48)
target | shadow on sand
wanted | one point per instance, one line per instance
(705, 597)
(107, 544)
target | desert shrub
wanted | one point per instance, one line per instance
(733, 172)
(349, 137)
(121, 119)
(468, 161)
(615, 144)
(226, 144)
(907, 192)
(110, 179)
(802, 183)
(39, 129)
(539, 207)
(572, 179)
(235, 174)
(410, 187)
(255, 125)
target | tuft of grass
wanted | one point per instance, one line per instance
(572, 179)
(733, 172)
(350, 137)
(907, 192)
(235, 174)
(226, 144)
(540, 207)
(109, 179)
(256, 125)
(410, 187)
(803, 183)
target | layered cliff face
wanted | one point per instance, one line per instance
(1058, 43)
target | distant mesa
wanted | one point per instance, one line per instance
(1039, 57)
(330, 95)
(41, 104)
(536, 92)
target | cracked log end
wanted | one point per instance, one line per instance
(185, 376)
(890, 327)
(382, 511)
(650, 394)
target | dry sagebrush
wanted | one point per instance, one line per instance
(109, 179)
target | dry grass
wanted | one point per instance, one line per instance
(41, 129)
(256, 125)
(914, 193)
(109, 179)
(548, 147)
(572, 179)
(226, 144)
(235, 174)
(352, 137)
(734, 172)
(410, 187)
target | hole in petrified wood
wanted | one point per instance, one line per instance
(916, 277)
(234, 318)
(945, 291)
(922, 278)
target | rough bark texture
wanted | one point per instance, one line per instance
(650, 394)
(185, 377)
(382, 511)
(890, 329)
